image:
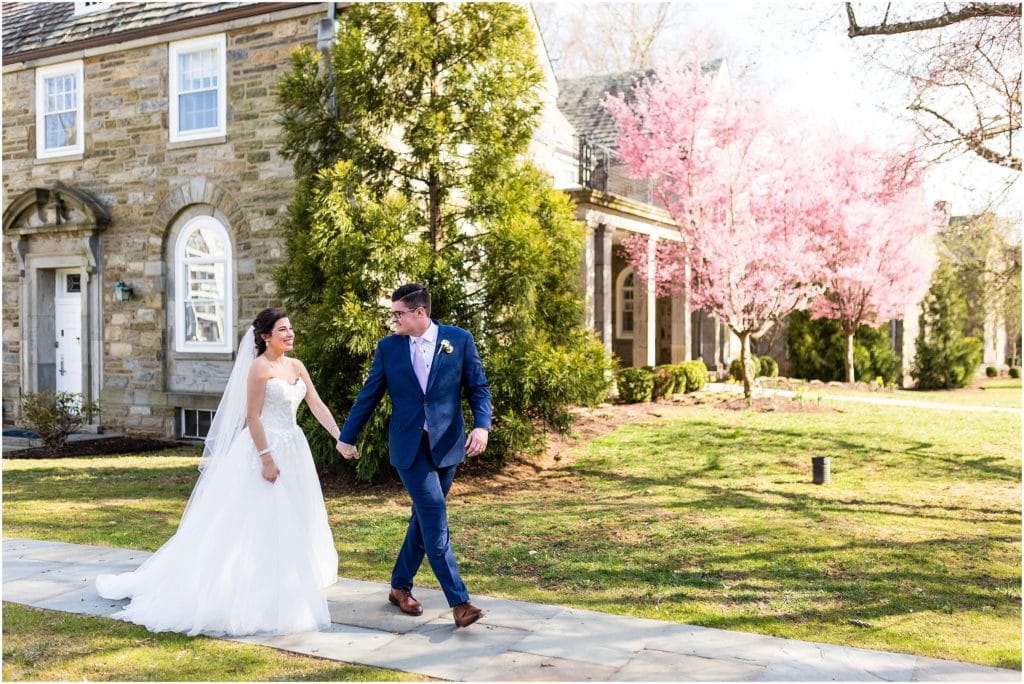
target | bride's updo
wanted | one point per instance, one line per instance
(264, 325)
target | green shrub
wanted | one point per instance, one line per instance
(696, 375)
(664, 382)
(945, 358)
(767, 367)
(736, 370)
(1014, 372)
(991, 371)
(55, 415)
(679, 373)
(635, 384)
(816, 350)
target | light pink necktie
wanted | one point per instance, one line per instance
(419, 366)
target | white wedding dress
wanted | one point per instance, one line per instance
(249, 556)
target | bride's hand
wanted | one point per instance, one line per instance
(270, 470)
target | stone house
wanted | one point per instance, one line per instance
(637, 325)
(142, 188)
(142, 184)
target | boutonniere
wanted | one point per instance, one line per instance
(446, 347)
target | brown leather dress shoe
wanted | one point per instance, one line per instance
(466, 614)
(405, 602)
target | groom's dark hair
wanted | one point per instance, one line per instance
(414, 295)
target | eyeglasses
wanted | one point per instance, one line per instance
(397, 315)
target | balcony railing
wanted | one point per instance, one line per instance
(599, 168)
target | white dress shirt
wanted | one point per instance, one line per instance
(426, 347)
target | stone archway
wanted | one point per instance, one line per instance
(53, 229)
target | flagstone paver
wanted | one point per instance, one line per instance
(516, 640)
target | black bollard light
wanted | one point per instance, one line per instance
(821, 469)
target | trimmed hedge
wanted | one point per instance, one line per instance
(1014, 372)
(664, 382)
(635, 384)
(696, 374)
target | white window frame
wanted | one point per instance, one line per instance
(181, 293)
(77, 70)
(620, 300)
(85, 7)
(184, 419)
(219, 44)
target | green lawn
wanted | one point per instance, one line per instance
(708, 519)
(44, 645)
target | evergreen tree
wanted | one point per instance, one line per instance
(945, 357)
(408, 145)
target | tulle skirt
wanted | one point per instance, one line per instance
(248, 556)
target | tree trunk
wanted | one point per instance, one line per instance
(748, 366)
(433, 176)
(848, 356)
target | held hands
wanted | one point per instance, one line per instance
(476, 442)
(270, 469)
(348, 451)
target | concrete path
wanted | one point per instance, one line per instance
(515, 641)
(884, 400)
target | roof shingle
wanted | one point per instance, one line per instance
(29, 26)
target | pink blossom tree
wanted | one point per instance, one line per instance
(742, 190)
(878, 251)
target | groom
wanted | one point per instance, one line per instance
(425, 367)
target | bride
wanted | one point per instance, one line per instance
(253, 552)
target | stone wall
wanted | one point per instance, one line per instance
(146, 184)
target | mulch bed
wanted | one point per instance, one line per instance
(103, 446)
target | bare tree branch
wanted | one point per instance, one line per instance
(971, 10)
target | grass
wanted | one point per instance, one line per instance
(709, 519)
(51, 646)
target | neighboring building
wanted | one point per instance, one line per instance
(142, 188)
(635, 324)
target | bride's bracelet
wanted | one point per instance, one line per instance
(263, 452)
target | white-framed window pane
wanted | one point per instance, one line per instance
(60, 130)
(206, 281)
(197, 111)
(197, 70)
(627, 304)
(204, 242)
(204, 321)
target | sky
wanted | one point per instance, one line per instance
(802, 54)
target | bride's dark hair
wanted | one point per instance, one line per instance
(264, 325)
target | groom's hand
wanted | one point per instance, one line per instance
(476, 442)
(348, 451)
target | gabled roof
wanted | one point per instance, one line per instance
(581, 100)
(35, 29)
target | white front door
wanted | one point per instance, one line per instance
(68, 313)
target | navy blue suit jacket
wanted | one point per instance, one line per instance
(440, 406)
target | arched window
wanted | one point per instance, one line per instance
(624, 295)
(202, 276)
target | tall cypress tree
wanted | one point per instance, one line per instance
(945, 358)
(408, 146)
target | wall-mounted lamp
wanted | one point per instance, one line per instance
(122, 292)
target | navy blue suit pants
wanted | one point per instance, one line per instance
(427, 533)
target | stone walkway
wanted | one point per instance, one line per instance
(515, 641)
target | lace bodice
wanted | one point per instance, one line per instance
(280, 404)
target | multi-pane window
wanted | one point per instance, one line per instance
(203, 287)
(195, 423)
(197, 88)
(59, 117)
(626, 292)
